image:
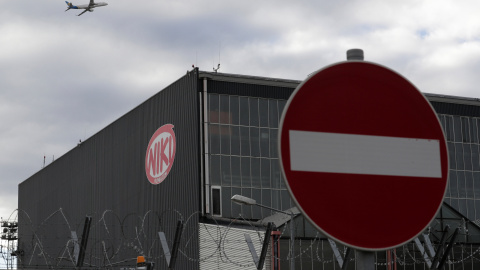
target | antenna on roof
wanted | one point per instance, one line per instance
(218, 66)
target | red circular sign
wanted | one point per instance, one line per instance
(160, 154)
(363, 155)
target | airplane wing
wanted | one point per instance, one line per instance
(83, 12)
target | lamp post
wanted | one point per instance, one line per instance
(242, 200)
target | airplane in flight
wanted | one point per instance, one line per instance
(88, 7)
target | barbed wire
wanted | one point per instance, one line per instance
(116, 241)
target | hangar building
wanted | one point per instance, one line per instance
(172, 165)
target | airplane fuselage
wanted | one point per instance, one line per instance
(86, 8)
(99, 4)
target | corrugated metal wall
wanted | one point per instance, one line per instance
(104, 177)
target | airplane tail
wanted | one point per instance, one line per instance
(70, 5)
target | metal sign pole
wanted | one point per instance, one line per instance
(365, 260)
(292, 243)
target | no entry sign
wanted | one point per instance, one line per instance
(364, 155)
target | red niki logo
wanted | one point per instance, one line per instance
(160, 154)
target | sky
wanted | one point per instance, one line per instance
(63, 78)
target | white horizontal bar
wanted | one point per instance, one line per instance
(364, 154)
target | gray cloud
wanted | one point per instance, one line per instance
(63, 77)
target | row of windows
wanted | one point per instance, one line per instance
(463, 192)
(464, 177)
(464, 184)
(245, 172)
(467, 207)
(255, 112)
(244, 156)
(263, 142)
(258, 112)
(464, 156)
(243, 141)
(460, 129)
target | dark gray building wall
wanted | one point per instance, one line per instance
(104, 177)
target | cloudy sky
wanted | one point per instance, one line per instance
(63, 77)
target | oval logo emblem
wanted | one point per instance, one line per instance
(160, 154)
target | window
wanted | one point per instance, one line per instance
(255, 172)
(255, 141)
(263, 112)
(467, 156)
(254, 119)
(244, 141)
(226, 174)
(244, 112)
(453, 184)
(216, 200)
(225, 116)
(264, 142)
(451, 155)
(215, 170)
(449, 128)
(473, 130)
(273, 113)
(459, 156)
(457, 129)
(213, 107)
(234, 110)
(465, 129)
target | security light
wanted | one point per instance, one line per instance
(239, 199)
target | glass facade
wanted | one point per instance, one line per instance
(243, 156)
(462, 134)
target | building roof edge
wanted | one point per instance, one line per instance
(248, 79)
